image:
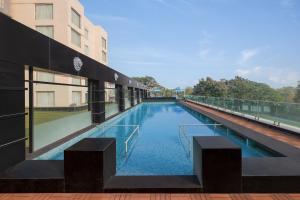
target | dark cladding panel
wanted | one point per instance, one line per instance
(12, 155)
(19, 43)
(10, 74)
(12, 118)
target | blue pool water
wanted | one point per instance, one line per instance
(159, 148)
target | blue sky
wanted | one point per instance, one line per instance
(180, 41)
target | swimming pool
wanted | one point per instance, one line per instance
(157, 146)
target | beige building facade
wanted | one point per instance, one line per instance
(64, 21)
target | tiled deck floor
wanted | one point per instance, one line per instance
(276, 134)
(149, 196)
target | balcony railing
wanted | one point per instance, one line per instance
(285, 115)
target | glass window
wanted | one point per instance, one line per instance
(75, 38)
(76, 98)
(75, 18)
(1, 3)
(43, 11)
(86, 34)
(45, 99)
(44, 76)
(46, 30)
(58, 110)
(104, 59)
(104, 45)
(111, 99)
(86, 50)
(127, 97)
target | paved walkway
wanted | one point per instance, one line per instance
(149, 196)
(263, 129)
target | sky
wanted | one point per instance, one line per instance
(179, 42)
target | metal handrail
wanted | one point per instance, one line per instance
(12, 142)
(136, 130)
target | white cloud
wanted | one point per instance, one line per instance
(275, 76)
(247, 55)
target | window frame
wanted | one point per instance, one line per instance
(104, 43)
(43, 4)
(73, 43)
(74, 11)
(36, 27)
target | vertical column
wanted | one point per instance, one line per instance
(138, 95)
(97, 100)
(132, 96)
(121, 98)
(217, 164)
(31, 109)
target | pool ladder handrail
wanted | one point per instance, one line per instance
(182, 131)
(136, 130)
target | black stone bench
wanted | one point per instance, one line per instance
(217, 164)
(89, 164)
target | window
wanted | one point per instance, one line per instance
(104, 45)
(76, 81)
(86, 49)
(75, 18)
(44, 76)
(75, 38)
(43, 11)
(104, 56)
(86, 34)
(76, 98)
(45, 99)
(1, 3)
(46, 30)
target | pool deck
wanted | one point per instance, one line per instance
(279, 135)
(150, 196)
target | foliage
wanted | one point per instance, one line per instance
(148, 81)
(287, 94)
(238, 87)
(188, 91)
(297, 95)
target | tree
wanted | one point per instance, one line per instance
(210, 87)
(287, 94)
(238, 88)
(297, 96)
(148, 81)
(188, 91)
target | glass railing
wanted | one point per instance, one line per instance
(286, 115)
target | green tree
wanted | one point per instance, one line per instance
(149, 81)
(210, 87)
(238, 88)
(188, 91)
(297, 96)
(287, 94)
